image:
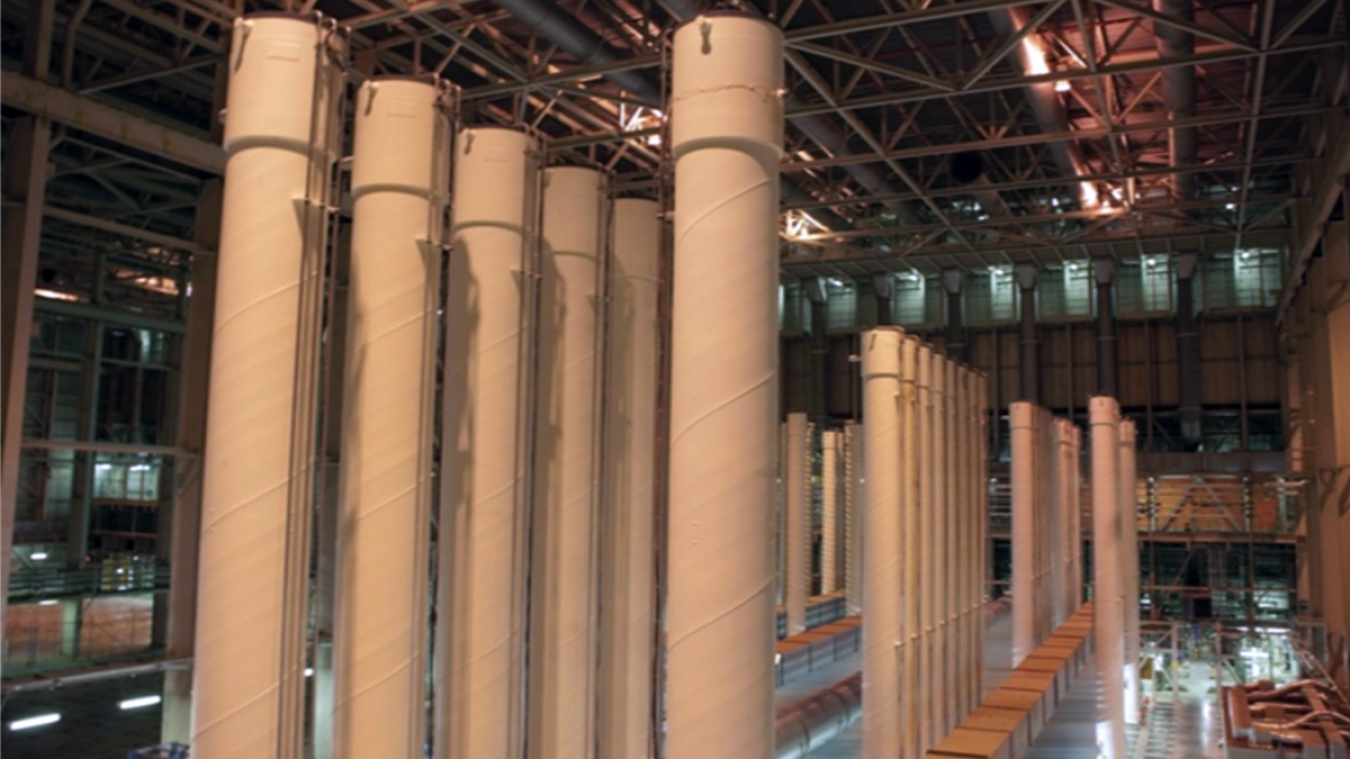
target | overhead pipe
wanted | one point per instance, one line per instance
(967, 170)
(484, 512)
(627, 581)
(814, 721)
(1129, 551)
(912, 573)
(1046, 106)
(563, 555)
(1178, 89)
(726, 130)
(884, 409)
(553, 23)
(1107, 581)
(797, 521)
(281, 142)
(580, 41)
(384, 524)
(829, 511)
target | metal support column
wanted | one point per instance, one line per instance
(1188, 352)
(953, 280)
(1030, 357)
(24, 180)
(1107, 363)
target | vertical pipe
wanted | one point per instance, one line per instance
(883, 408)
(853, 517)
(254, 562)
(1107, 629)
(1107, 365)
(562, 598)
(1129, 564)
(911, 576)
(797, 512)
(957, 347)
(726, 127)
(479, 632)
(817, 402)
(384, 521)
(927, 553)
(627, 579)
(829, 511)
(1022, 418)
(883, 288)
(1029, 360)
(1188, 352)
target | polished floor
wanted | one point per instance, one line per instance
(1184, 727)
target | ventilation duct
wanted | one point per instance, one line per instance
(1178, 89)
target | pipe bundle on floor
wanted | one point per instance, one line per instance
(1044, 516)
(384, 525)
(726, 116)
(923, 559)
(281, 142)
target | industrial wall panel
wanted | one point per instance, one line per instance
(795, 358)
(843, 398)
(1219, 366)
(1260, 347)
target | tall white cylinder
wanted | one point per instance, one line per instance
(257, 489)
(480, 623)
(384, 524)
(980, 465)
(853, 517)
(829, 511)
(1129, 563)
(911, 570)
(1108, 632)
(563, 569)
(627, 577)
(797, 521)
(883, 410)
(726, 126)
(1066, 473)
(1022, 419)
(964, 555)
(942, 677)
(951, 566)
(927, 553)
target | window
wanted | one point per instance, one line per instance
(916, 299)
(1246, 279)
(841, 303)
(1145, 286)
(991, 295)
(1066, 292)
